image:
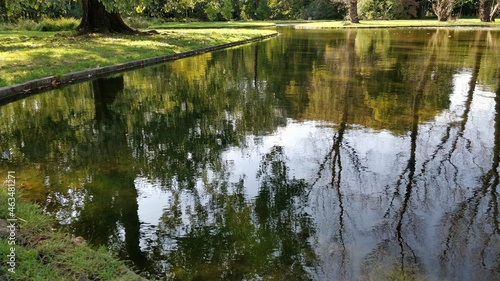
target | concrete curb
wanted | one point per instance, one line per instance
(20, 91)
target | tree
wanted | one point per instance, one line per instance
(484, 10)
(3, 11)
(102, 16)
(353, 11)
(389, 9)
(247, 8)
(182, 6)
(227, 9)
(212, 9)
(443, 9)
(263, 10)
(324, 9)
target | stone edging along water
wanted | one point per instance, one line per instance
(22, 90)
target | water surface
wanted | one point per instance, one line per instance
(317, 155)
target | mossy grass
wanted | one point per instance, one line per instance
(397, 23)
(42, 253)
(28, 55)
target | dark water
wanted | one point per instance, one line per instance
(317, 155)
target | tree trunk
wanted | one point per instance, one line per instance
(484, 10)
(96, 19)
(423, 6)
(443, 9)
(494, 12)
(3, 12)
(353, 11)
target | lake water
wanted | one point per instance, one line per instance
(317, 155)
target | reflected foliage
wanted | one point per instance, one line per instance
(219, 235)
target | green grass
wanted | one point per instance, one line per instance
(43, 253)
(397, 23)
(28, 55)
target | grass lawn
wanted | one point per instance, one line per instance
(28, 55)
(397, 23)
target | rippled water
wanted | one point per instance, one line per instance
(318, 155)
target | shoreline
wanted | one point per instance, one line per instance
(347, 27)
(414, 23)
(21, 90)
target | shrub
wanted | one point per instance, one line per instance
(63, 24)
(5, 27)
(26, 24)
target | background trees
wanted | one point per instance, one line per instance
(391, 9)
(15, 10)
(3, 12)
(353, 11)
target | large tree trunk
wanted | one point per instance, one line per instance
(353, 11)
(96, 19)
(484, 10)
(3, 12)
